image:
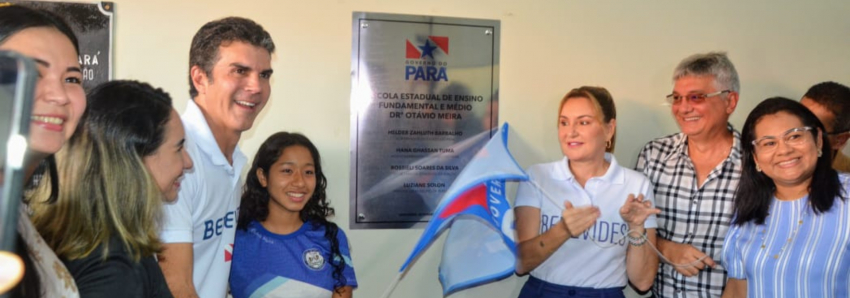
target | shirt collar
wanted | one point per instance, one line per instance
(614, 175)
(196, 126)
(680, 146)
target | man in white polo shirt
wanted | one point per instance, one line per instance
(230, 67)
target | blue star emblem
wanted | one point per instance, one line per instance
(427, 50)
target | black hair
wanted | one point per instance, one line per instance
(255, 198)
(14, 19)
(835, 98)
(756, 190)
(131, 110)
(205, 45)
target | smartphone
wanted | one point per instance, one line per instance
(17, 87)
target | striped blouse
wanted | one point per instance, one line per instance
(796, 253)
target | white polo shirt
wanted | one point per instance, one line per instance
(579, 262)
(206, 207)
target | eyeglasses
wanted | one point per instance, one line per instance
(794, 136)
(675, 99)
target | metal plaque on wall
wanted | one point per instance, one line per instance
(424, 99)
(92, 23)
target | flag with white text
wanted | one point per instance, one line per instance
(480, 246)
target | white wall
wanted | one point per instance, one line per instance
(548, 47)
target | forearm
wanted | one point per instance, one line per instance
(176, 261)
(664, 246)
(735, 288)
(179, 285)
(535, 251)
(344, 292)
(642, 261)
(182, 291)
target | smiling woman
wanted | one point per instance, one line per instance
(59, 102)
(562, 211)
(790, 206)
(125, 159)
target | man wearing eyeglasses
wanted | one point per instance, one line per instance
(695, 173)
(830, 102)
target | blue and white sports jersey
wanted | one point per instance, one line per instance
(266, 264)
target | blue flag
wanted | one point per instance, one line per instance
(480, 246)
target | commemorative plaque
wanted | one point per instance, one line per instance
(424, 99)
(92, 23)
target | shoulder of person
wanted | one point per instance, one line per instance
(664, 142)
(844, 180)
(543, 168)
(633, 176)
(113, 276)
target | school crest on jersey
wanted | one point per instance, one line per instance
(313, 259)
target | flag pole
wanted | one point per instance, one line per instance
(392, 286)
(547, 195)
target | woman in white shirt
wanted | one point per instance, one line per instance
(583, 222)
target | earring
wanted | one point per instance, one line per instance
(820, 152)
(758, 168)
(608, 144)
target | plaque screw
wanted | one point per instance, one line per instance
(364, 25)
(361, 216)
(488, 32)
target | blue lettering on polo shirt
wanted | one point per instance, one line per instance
(218, 226)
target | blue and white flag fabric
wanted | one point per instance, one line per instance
(480, 247)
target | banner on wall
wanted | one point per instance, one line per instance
(424, 99)
(92, 23)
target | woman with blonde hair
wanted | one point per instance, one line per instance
(125, 158)
(573, 215)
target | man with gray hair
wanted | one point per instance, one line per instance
(695, 173)
(830, 102)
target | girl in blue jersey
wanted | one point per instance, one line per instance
(285, 246)
(791, 232)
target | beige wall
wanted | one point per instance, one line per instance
(548, 47)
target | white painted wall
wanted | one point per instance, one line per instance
(548, 47)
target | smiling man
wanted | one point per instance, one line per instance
(229, 71)
(695, 173)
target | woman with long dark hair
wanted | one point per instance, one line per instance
(59, 103)
(285, 246)
(791, 232)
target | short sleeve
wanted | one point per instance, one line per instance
(731, 255)
(177, 226)
(527, 194)
(649, 195)
(642, 160)
(345, 250)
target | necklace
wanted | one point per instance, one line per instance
(799, 223)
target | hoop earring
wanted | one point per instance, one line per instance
(608, 144)
(758, 168)
(820, 152)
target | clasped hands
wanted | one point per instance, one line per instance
(634, 211)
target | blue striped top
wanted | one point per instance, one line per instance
(808, 259)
